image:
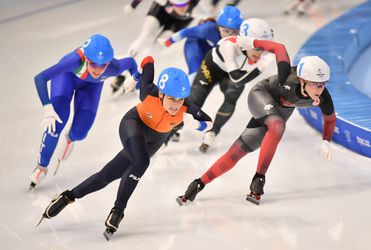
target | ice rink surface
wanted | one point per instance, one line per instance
(309, 203)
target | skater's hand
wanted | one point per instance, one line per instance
(50, 116)
(325, 151)
(128, 9)
(129, 84)
(147, 59)
(191, 123)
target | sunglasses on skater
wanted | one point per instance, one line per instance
(316, 84)
(227, 31)
(97, 65)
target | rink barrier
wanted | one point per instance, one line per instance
(340, 43)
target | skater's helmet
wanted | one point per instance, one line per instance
(98, 49)
(229, 17)
(174, 82)
(313, 68)
(179, 3)
(256, 28)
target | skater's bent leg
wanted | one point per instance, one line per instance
(249, 141)
(140, 159)
(226, 111)
(275, 129)
(81, 124)
(85, 105)
(61, 105)
(150, 28)
(112, 171)
(224, 163)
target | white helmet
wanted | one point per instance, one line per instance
(313, 68)
(179, 3)
(256, 28)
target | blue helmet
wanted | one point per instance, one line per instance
(98, 49)
(174, 82)
(229, 17)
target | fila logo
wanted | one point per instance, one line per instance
(149, 115)
(268, 107)
(287, 87)
(134, 177)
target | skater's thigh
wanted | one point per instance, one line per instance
(262, 104)
(87, 98)
(62, 86)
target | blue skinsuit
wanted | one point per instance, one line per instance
(69, 78)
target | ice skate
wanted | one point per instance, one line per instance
(37, 176)
(193, 189)
(65, 152)
(112, 222)
(117, 83)
(256, 189)
(207, 141)
(57, 205)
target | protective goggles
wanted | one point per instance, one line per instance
(227, 31)
(316, 84)
(97, 65)
(179, 4)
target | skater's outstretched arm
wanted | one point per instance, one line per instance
(68, 63)
(146, 85)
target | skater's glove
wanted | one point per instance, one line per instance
(148, 59)
(128, 9)
(129, 84)
(325, 151)
(191, 123)
(168, 42)
(245, 43)
(50, 116)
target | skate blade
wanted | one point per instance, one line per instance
(252, 199)
(107, 234)
(38, 223)
(181, 200)
(57, 167)
(32, 186)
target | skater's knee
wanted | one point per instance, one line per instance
(81, 125)
(276, 126)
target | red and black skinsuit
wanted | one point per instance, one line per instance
(271, 103)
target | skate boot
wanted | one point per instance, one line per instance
(256, 188)
(207, 141)
(112, 222)
(37, 176)
(65, 151)
(57, 205)
(117, 83)
(193, 189)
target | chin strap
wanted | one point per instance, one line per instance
(305, 93)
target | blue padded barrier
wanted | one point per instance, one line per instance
(340, 43)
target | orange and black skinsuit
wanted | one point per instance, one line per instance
(143, 130)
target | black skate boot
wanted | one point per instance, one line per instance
(57, 205)
(256, 188)
(117, 83)
(112, 222)
(193, 189)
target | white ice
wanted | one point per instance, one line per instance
(309, 203)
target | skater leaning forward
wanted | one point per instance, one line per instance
(79, 75)
(271, 103)
(143, 130)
